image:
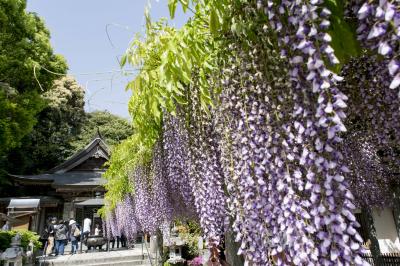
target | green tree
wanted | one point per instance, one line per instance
(17, 115)
(113, 129)
(25, 51)
(59, 123)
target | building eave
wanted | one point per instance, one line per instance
(32, 180)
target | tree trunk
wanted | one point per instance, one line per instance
(231, 248)
(159, 247)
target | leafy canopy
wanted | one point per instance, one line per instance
(24, 47)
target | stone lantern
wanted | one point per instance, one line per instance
(13, 255)
(175, 247)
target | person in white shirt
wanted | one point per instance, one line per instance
(97, 230)
(86, 227)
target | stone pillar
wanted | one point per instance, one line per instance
(200, 243)
(153, 246)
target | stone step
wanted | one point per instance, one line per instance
(118, 258)
(118, 263)
(99, 261)
(81, 261)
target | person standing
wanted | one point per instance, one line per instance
(74, 234)
(123, 240)
(6, 226)
(51, 232)
(44, 235)
(61, 231)
(86, 227)
(97, 230)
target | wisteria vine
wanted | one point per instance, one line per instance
(270, 129)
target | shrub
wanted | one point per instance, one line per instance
(26, 236)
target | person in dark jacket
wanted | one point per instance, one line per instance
(51, 232)
(123, 240)
(74, 234)
(61, 237)
(44, 235)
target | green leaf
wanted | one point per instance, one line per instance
(172, 7)
(343, 33)
(147, 16)
(185, 5)
(123, 60)
(214, 21)
(180, 99)
(156, 109)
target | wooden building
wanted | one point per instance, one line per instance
(72, 189)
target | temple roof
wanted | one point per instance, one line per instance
(97, 148)
(83, 169)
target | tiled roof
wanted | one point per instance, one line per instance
(65, 174)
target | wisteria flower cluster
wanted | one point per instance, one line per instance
(111, 228)
(177, 164)
(126, 218)
(379, 29)
(205, 174)
(161, 190)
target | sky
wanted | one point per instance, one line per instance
(78, 32)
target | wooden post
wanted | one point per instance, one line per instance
(369, 221)
(396, 209)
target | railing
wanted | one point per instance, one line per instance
(385, 259)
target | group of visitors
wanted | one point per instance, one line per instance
(57, 234)
(119, 239)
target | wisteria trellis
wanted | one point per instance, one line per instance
(280, 150)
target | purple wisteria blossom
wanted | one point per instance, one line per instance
(126, 218)
(206, 178)
(379, 29)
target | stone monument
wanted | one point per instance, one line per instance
(14, 254)
(175, 247)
